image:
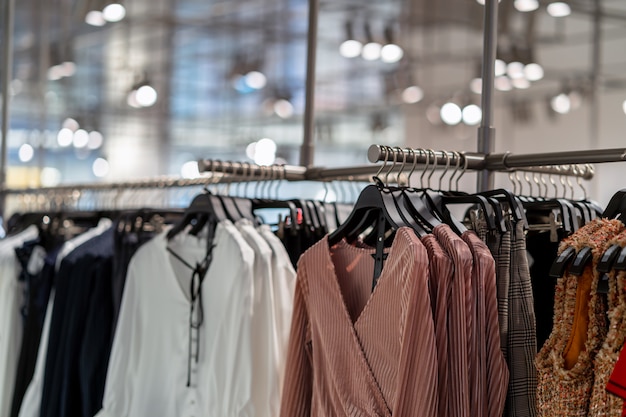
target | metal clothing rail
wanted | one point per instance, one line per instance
(553, 162)
(157, 183)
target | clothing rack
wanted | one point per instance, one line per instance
(537, 162)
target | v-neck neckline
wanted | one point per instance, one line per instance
(182, 241)
(381, 279)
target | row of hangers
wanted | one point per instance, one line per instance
(381, 208)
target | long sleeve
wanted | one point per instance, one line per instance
(417, 383)
(297, 391)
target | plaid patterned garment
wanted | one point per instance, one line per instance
(516, 316)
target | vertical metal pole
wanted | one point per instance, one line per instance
(308, 147)
(596, 71)
(486, 131)
(7, 66)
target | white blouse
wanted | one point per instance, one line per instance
(148, 368)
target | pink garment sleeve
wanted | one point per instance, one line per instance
(298, 383)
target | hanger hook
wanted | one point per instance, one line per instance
(584, 171)
(427, 155)
(530, 185)
(513, 182)
(465, 164)
(413, 165)
(445, 170)
(401, 166)
(536, 181)
(432, 171)
(384, 162)
(542, 177)
(569, 181)
(393, 164)
(457, 165)
(562, 180)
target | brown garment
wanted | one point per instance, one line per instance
(564, 367)
(441, 273)
(489, 395)
(460, 325)
(356, 353)
(603, 403)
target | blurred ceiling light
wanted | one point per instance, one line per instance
(472, 114)
(190, 170)
(26, 152)
(482, 2)
(255, 80)
(476, 86)
(371, 50)
(55, 73)
(71, 124)
(351, 47)
(503, 83)
(50, 177)
(520, 83)
(81, 138)
(561, 103)
(100, 167)
(533, 72)
(559, 9)
(142, 94)
(500, 67)
(412, 94)
(515, 70)
(283, 108)
(526, 5)
(451, 114)
(146, 96)
(264, 151)
(68, 68)
(95, 140)
(65, 137)
(114, 12)
(95, 18)
(391, 52)
(624, 106)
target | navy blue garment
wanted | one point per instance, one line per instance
(126, 244)
(80, 331)
(37, 288)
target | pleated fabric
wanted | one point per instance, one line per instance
(354, 352)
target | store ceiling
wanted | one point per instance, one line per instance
(191, 50)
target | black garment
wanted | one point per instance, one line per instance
(542, 253)
(38, 285)
(126, 244)
(80, 331)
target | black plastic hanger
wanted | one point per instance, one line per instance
(476, 199)
(608, 258)
(557, 270)
(279, 204)
(620, 262)
(371, 199)
(564, 208)
(515, 204)
(204, 207)
(616, 207)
